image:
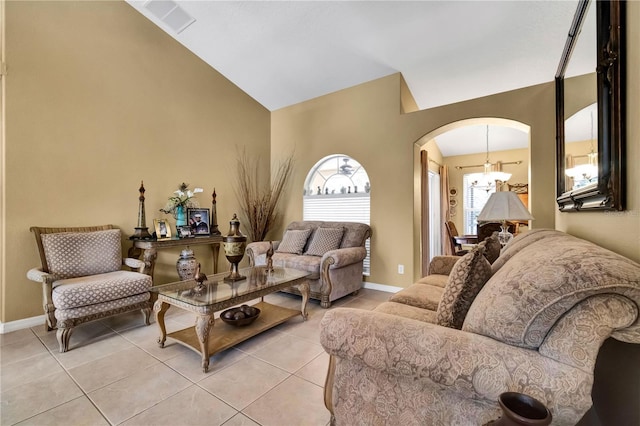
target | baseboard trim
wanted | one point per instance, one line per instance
(21, 324)
(382, 287)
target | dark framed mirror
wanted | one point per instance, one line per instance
(590, 112)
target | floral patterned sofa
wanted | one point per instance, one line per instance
(332, 251)
(541, 313)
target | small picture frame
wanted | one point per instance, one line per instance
(163, 230)
(184, 231)
(198, 220)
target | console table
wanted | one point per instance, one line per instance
(149, 249)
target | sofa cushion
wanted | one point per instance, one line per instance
(465, 281)
(407, 311)
(304, 263)
(294, 241)
(78, 254)
(96, 289)
(519, 242)
(323, 240)
(425, 296)
(434, 279)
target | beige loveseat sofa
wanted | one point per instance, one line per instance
(535, 327)
(332, 251)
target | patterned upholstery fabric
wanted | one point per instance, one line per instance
(97, 289)
(335, 272)
(465, 281)
(542, 282)
(109, 307)
(407, 311)
(435, 279)
(492, 247)
(425, 296)
(78, 254)
(324, 240)
(294, 241)
(442, 265)
(519, 242)
(394, 366)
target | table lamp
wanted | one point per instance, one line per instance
(504, 206)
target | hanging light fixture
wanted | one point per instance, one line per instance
(488, 179)
(584, 174)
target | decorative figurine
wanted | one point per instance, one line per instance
(367, 187)
(213, 226)
(319, 191)
(142, 232)
(269, 257)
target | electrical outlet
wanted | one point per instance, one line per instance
(401, 269)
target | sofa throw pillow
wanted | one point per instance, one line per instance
(492, 247)
(466, 279)
(325, 239)
(294, 241)
(79, 254)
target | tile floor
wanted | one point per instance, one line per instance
(115, 374)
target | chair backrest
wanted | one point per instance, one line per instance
(39, 230)
(452, 231)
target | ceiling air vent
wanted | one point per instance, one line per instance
(170, 13)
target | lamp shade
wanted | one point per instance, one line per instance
(503, 206)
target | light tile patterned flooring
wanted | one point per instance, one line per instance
(115, 374)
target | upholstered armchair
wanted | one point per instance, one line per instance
(82, 278)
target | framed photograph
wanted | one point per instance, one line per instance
(184, 231)
(198, 220)
(163, 230)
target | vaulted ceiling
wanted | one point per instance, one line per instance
(285, 52)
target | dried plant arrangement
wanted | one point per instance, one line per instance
(259, 202)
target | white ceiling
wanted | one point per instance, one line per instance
(285, 52)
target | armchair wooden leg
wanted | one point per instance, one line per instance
(63, 335)
(49, 313)
(146, 312)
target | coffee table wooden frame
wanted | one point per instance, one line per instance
(199, 338)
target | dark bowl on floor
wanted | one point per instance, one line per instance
(239, 316)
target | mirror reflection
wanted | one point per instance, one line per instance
(581, 149)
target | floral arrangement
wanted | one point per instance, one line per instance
(183, 198)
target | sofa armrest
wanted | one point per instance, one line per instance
(343, 257)
(467, 364)
(442, 265)
(38, 275)
(259, 248)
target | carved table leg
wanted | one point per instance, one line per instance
(304, 291)
(149, 257)
(160, 308)
(203, 325)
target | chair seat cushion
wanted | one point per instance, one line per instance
(304, 263)
(96, 289)
(101, 309)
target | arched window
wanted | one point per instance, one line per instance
(337, 189)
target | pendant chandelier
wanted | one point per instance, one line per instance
(488, 179)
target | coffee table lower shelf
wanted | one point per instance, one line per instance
(223, 336)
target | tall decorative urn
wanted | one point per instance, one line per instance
(234, 245)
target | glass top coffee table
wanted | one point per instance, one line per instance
(216, 295)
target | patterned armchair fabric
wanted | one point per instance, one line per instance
(332, 251)
(535, 327)
(82, 278)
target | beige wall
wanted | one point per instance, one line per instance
(97, 99)
(619, 231)
(366, 123)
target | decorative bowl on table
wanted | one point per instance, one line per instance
(241, 315)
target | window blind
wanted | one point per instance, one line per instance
(474, 201)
